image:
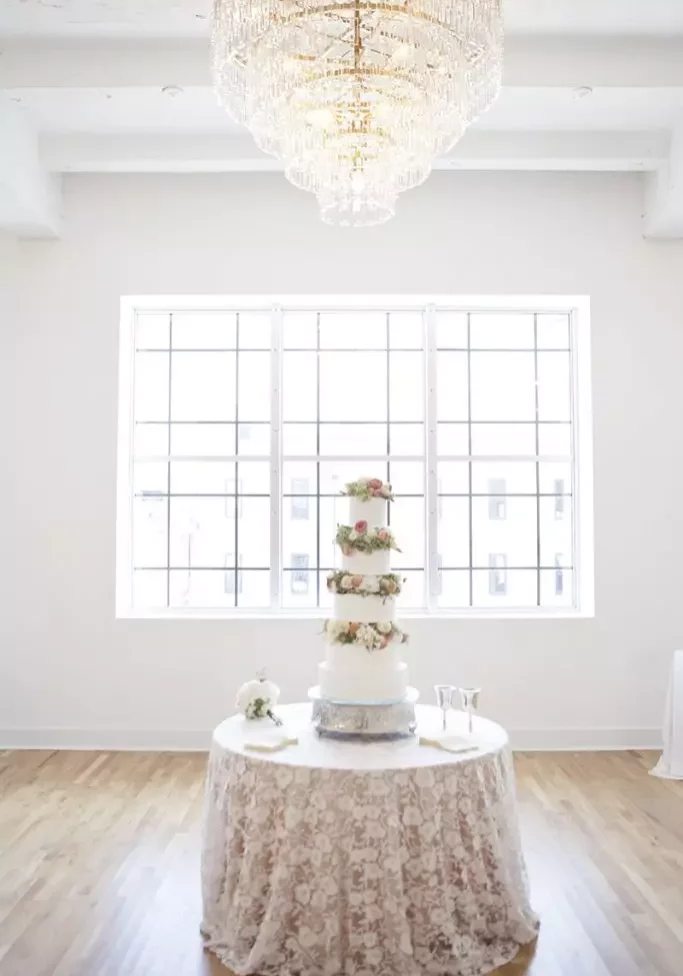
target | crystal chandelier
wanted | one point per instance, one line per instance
(357, 97)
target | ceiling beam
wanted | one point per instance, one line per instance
(479, 149)
(664, 193)
(30, 197)
(530, 61)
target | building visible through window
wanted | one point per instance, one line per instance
(232, 580)
(559, 498)
(299, 574)
(497, 506)
(498, 574)
(300, 499)
(559, 574)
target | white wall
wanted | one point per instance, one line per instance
(72, 674)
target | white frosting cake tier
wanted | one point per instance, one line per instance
(368, 563)
(373, 512)
(375, 681)
(364, 609)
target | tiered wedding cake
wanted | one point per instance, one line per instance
(362, 680)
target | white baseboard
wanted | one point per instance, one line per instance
(584, 740)
(199, 740)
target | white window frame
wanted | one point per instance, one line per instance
(578, 309)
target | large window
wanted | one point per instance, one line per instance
(241, 421)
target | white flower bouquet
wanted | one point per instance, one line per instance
(368, 488)
(257, 698)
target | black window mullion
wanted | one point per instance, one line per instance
(388, 516)
(168, 475)
(538, 468)
(317, 464)
(469, 463)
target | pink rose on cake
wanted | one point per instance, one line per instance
(383, 535)
(361, 527)
(375, 483)
(356, 582)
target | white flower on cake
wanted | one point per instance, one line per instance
(384, 627)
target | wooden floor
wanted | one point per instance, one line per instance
(99, 865)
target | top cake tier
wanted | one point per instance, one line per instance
(374, 512)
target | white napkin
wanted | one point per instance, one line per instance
(450, 743)
(269, 740)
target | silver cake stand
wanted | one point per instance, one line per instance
(367, 721)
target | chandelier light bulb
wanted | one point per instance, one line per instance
(357, 97)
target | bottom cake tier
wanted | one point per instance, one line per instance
(364, 720)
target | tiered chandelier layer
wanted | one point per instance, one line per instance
(357, 97)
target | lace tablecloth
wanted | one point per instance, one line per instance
(351, 859)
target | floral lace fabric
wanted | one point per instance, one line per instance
(336, 872)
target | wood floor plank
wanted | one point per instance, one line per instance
(99, 862)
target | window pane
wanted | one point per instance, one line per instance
(254, 386)
(151, 439)
(299, 330)
(503, 386)
(299, 589)
(503, 438)
(151, 386)
(555, 478)
(514, 536)
(412, 596)
(407, 477)
(202, 531)
(299, 439)
(254, 477)
(453, 477)
(501, 330)
(408, 524)
(254, 330)
(152, 331)
(335, 474)
(333, 512)
(557, 587)
(150, 477)
(203, 478)
(299, 385)
(299, 535)
(353, 439)
(554, 385)
(253, 439)
(254, 532)
(556, 531)
(149, 532)
(451, 386)
(299, 477)
(207, 589)
(518, 477)
(555, 439)
(203, 386)
(149, 589)
(454, 532)
(451, 330)
(353, 330)
(406, 386)
(454, 589)
(353, 386)
(452, 439)
(202, 440)
(520, 589)
(552, 331)
(326, 598)
(255, 590)
(203, 330)
(406, 330)
(407, 440)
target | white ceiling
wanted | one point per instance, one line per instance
(185, 18)
(124, 85)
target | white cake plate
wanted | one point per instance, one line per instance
(364, 720)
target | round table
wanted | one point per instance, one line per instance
(333, 858)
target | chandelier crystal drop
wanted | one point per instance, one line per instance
(357, 97)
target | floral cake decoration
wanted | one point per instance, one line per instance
(368, 488)
(361, 538)
(341, 581)
(372, 636)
